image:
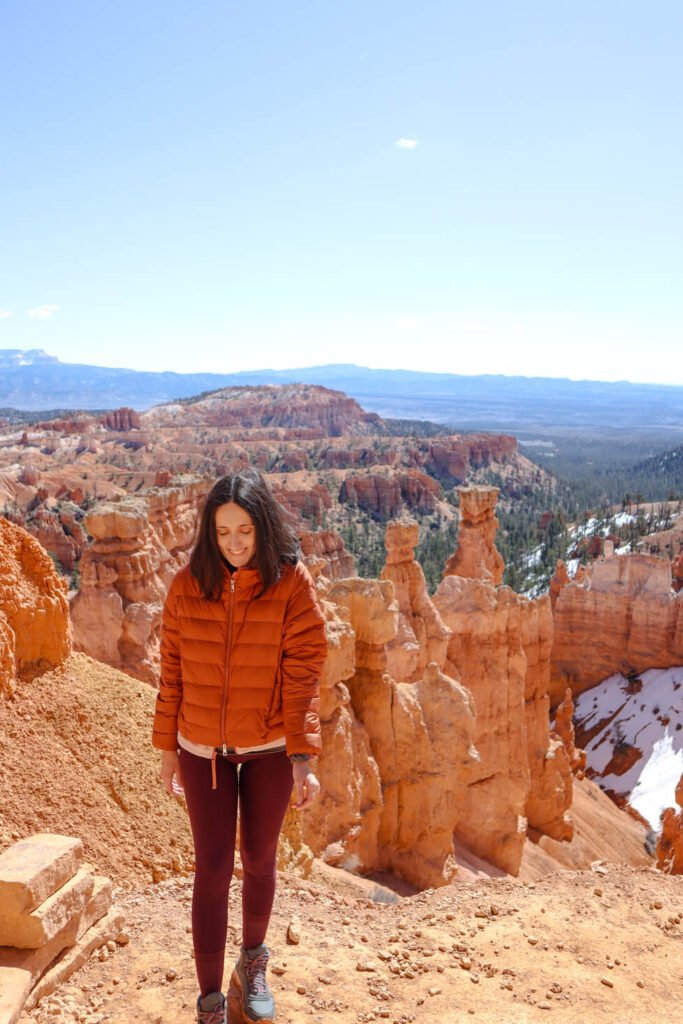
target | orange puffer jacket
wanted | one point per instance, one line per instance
(241, 671)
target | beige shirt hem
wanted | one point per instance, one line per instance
(206, 750)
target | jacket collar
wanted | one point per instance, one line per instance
(245, 578)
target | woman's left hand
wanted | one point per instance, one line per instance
(306, 785)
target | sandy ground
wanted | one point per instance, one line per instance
(603, 947)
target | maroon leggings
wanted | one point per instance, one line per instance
(262, 787)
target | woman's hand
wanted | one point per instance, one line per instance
(306, 786)
(169, 772)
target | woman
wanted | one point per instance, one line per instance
(242, 648)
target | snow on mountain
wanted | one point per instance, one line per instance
(634, 737)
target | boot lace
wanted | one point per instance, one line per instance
(256, 974)
(215, 1016)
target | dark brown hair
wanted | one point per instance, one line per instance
(276, 541)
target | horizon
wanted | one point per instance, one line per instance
(351, 366)
(445, 188)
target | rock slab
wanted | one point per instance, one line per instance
(35, 868)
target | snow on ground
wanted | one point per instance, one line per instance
(623, 518)
(649, 717)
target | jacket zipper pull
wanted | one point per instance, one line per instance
(232, 584)
(225, 750)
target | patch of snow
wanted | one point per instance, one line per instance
(650, 720)
(623, 518)
(658, 779)
(572, 566)
(534, 558)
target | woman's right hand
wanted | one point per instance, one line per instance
(170, 772)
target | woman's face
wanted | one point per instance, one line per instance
(235, 533)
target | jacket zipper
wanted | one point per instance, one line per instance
(226, 681)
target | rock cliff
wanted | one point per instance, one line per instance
(670, 841)
(476, 556)
(34, 620)
(322, 411)
(138, 546)
(410, 741)
(422, 637)
(620, 616)
(499, 648)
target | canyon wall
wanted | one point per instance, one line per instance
(138, 546)
(499, 648)
(34, 620)
(620, 614)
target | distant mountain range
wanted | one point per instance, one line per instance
(33, 380)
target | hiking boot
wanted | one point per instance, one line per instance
(250, 972)
(212, 1009)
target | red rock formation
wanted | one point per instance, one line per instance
(310, 408)
(385, 496)
(476, 556)
(451, 459)
(335, 457)
(306, 502)
(59, 532)
(499, 649)
(328, 545)
(139, 544)
(670, 841)
(620, 615)
(29, 475)
(343, 826)
(123, 419)
(422, 637)
(564, 728)
(420, 737)
(677, 573)
(34, 619)
(77, 424)
(559, 580)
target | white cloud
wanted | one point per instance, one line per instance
(406, 143)
(4, 314)
(43, 312)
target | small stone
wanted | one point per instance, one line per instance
(122, 939)
(294, 931)
(658, 904)
(365, 965)
(171, 974)
(640, 984)
(111, 946)
(301, 989)
(279, 967)
(597, 891)
(607, 981)
(532, 940)
(544, 1006)
(435, 991)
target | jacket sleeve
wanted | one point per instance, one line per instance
(304, 650)
(165, 729)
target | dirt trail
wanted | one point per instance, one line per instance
(574, 946)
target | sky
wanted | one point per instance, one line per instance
(490, 187)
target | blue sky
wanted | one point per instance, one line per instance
(223, 186)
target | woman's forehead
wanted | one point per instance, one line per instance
(232, 515)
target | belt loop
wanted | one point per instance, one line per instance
(213, 769)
